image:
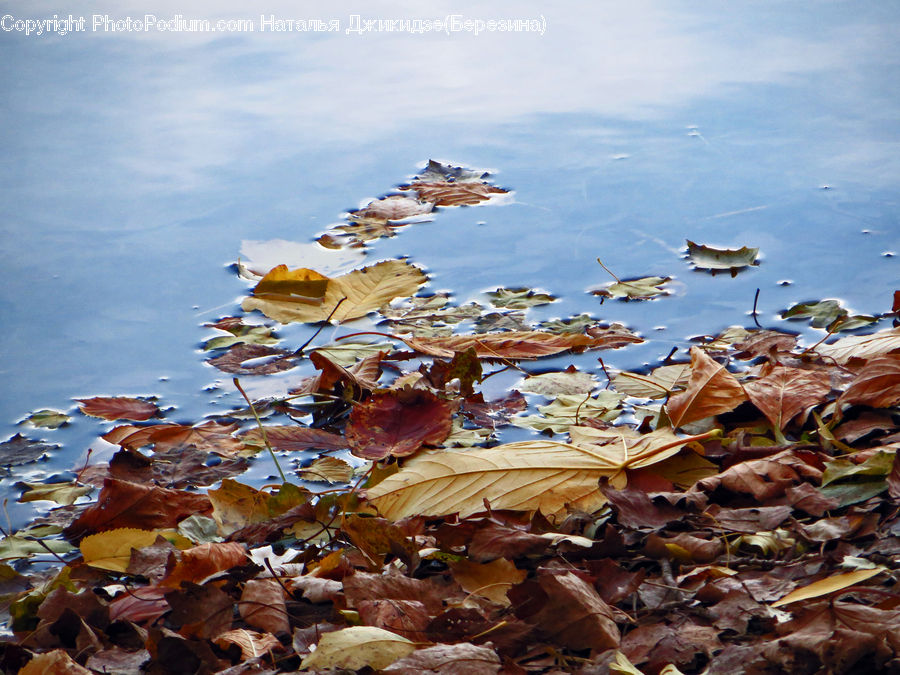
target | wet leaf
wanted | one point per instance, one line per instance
(251, 335)
(356, 647)
(327, 469)
(358, 292)
(707, 257)
(568, 410)
(397, 423)
(712, 390)
(19, 450)
(61, 493)
(346, 352)
(118, 408)
(23, 546)
(254, 359)
(862, 346)
(518, 298)
(838, 582)
(575, 324)
(783, 393)
(821, 313)
(512, 345)
(262, 606)
(393, 207)
(659, 383)
(209, 436)
(47, 419)
(569, 382)
(294, 438)
(635, 289)
(453, 194)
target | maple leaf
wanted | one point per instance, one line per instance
(783, 393)
(712, 390)
(707, 257)
(358, 292)
(397, 423)
(118, 408)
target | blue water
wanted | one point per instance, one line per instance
(134, 165)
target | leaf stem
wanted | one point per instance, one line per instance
(262, 429)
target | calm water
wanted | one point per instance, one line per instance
(134, 165)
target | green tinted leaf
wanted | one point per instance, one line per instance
(48, 419)
(518, 298)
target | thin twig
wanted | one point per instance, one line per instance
(262, 429)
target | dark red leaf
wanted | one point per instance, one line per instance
(118, 408)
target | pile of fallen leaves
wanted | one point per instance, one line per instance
(737, 513)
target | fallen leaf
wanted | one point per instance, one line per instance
(783, 393)
(568, 410)
(47, 419)
(251, 335)
(397, 423)
(462, 658)
(254, 359)
(490, 580)
(827, 314)
(393, 207)
(635, 289)
(864, 347)
(837, 582)
(511, 345)
(541, 476)
(518, 298)
(111, 550)
(118, 408)
(55, 662)
(453, 194)
(358, 292)
(659, 383)
(327, 469)
(492, 414)
(262, 606)
(707, 257)
(251, 643)
(569, 382)
(712, 390)
(200, 562)
(356, 647)
(294, 438)
(877, 385)
(346, 352)
(61, 493)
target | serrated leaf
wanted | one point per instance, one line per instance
(710, 258)
(358, 292)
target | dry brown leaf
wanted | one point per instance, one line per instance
(252, 644)
(490, 580)
(862, 346)
(118, 408)
(784, 393)
(262, 606)
(711, 391)
(876, 385)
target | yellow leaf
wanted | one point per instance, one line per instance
(489, 580)
(358, 292)
(356, 647)
(111, 550)
(525, 476)
(834, 583)
(236, 505)
(303, 285)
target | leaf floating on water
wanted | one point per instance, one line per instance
(354, 294)
(516, 345)
(707, 257)
(244, 359)
(570, 409)
(553, 384)
(827, 314)
(118, 408)
(47, 419)
(635, 289)
(519, 298)
(327, 469)
(659, 383)
(393, 207)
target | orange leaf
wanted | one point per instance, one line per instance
(301, 285)
(118, 408)
(877, 384)
(262, 606)
(711, 391)
(202, 561)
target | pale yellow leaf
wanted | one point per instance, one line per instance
(831, 584)
(862, 346)
(111, 550)
(657, 384)
(356, 647)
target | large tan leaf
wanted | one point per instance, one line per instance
(525, 476)
(356, 647)
(862, 346)
(785, 392)
(363, 291)
(659, 383)
(508, 345)
(711, 391)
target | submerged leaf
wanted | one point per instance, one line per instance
(635, 289)
(20, 450)
(518, 298)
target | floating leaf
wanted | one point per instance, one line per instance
(519, 298)
(61, 493)
(346, 352)
(575, 324)
(784, 393)
(832, 584)
(397, 423)
(327, 469)
(294, 438)
(569, 382)
(635, 289)
(513, 345)
(118, 408)
(862, 346)
(569, 409)
(393, 207)
(712, 390)
(358, 292)
(246, 359)
(47, 419)
(827, 314)
(540, 475)
(453, 194)
(707, 257)
(659, 383)
(356, 647)
(20, 450)
(251, 335)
